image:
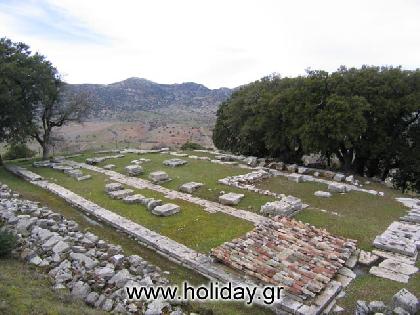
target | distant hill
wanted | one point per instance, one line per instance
(136, 94)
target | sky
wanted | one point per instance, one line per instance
(219, 43)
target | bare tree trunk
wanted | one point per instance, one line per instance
(45, 151)
(1, 161)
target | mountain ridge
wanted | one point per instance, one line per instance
(139, 94)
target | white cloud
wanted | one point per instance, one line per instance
(214, 42)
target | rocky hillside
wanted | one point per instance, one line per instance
(136, 94)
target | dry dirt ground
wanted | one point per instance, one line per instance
(96, 135)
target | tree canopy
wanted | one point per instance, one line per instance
(366, 117)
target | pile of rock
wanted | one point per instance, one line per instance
(174, 162)
(134, 170)
(159, 177)
(93, 270)
(287, 206)
(288, 253)
(403, 303)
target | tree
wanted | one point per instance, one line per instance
(33, 98)
(364, 117)
(17, 94)
(56, 110)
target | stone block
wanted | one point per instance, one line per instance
(297, 178)
(166, 210)
(113, 187)
(159, 177)
(340, 188)
(324, 194)
(339, 177)
(190, 187)
(388, 274)
(120, 194)
(367, 258)
(174, 162)
(230, 198)
(134, 170)
(406, 300)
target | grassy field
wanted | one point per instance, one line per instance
(25, 291)
(198, 171)
(8, 268)
(361, 216)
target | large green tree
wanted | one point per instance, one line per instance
(364, 117)
(33, 98)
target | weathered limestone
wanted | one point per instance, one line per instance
(367, 258)
(120, 194)
(407, 301)
(166, 210)
(285, 207)
(324, 194)
(109, 166)
(303, 170)
(230, 198)
(402, 238)
(340, 188)
(403, 303)
(137, 198)
(113, 187)
(398, 267)
(389, 274)
(159, 177)
(190, 187)
(297, 178)
(134, 170)
(174, 162)
(339, 177)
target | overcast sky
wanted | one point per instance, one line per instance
(216, 43)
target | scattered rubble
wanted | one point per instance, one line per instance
(403, 303)
(93, 270)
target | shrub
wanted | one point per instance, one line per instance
(18, 151)
(7, 243)
(191, 146)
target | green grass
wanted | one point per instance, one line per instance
(362, 216)
(196, 170)
(25, 291)
(177, 274)
(192, 226)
